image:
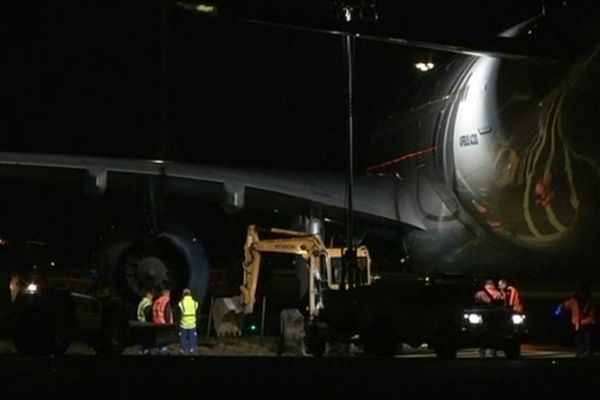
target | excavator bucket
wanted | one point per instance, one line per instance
(228, 316)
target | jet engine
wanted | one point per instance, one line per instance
(134, 261)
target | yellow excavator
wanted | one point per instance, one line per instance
(325, 274)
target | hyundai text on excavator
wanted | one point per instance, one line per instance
(324, 311)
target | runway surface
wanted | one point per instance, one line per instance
(542, 371)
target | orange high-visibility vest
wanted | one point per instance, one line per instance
(582, 313)
(488, 295)
(159, 314)
(514, 299)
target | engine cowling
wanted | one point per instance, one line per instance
(134, 261)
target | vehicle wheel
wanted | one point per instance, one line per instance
(317, 338)
(317, 347)
(446, 351)
(446, 346)
(379, 345)
(43, 324)
(114, 335)
(513, 350)
(377, 337)
(63, 320)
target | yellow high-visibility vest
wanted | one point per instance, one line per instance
(188, 307)
(141, 311)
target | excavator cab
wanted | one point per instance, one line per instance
(361, 275)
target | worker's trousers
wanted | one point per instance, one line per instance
(188, 340)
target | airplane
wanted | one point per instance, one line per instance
(488, 143)
(492, 169)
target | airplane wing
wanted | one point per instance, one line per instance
(374, 196)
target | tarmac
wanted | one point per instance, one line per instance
(547, 371)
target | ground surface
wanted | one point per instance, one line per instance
(266, 346)
(229, 346)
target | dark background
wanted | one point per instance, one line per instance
(143, 79)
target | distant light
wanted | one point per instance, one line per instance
(3, 242)
(348, 14)
(194, 240)
(253, 327)
(205, 8)
(518, 319)
(157, 161)
(424, 67)
(52, 264)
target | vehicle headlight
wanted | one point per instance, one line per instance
(31, 288)
(473, 318)
(518, 319)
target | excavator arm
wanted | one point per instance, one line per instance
(228, 312)
(309, 247)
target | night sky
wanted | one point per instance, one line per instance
(85, 78)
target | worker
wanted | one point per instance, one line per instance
(144, 309)
(188, 337)
(510, 295)
(491, 296)
(162, 313)
(15, 285)
(144, 314)
(583, 318)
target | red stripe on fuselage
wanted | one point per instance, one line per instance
(401, 158)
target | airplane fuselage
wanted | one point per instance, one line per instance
(505, 148)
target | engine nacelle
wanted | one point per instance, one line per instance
(135, 260)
